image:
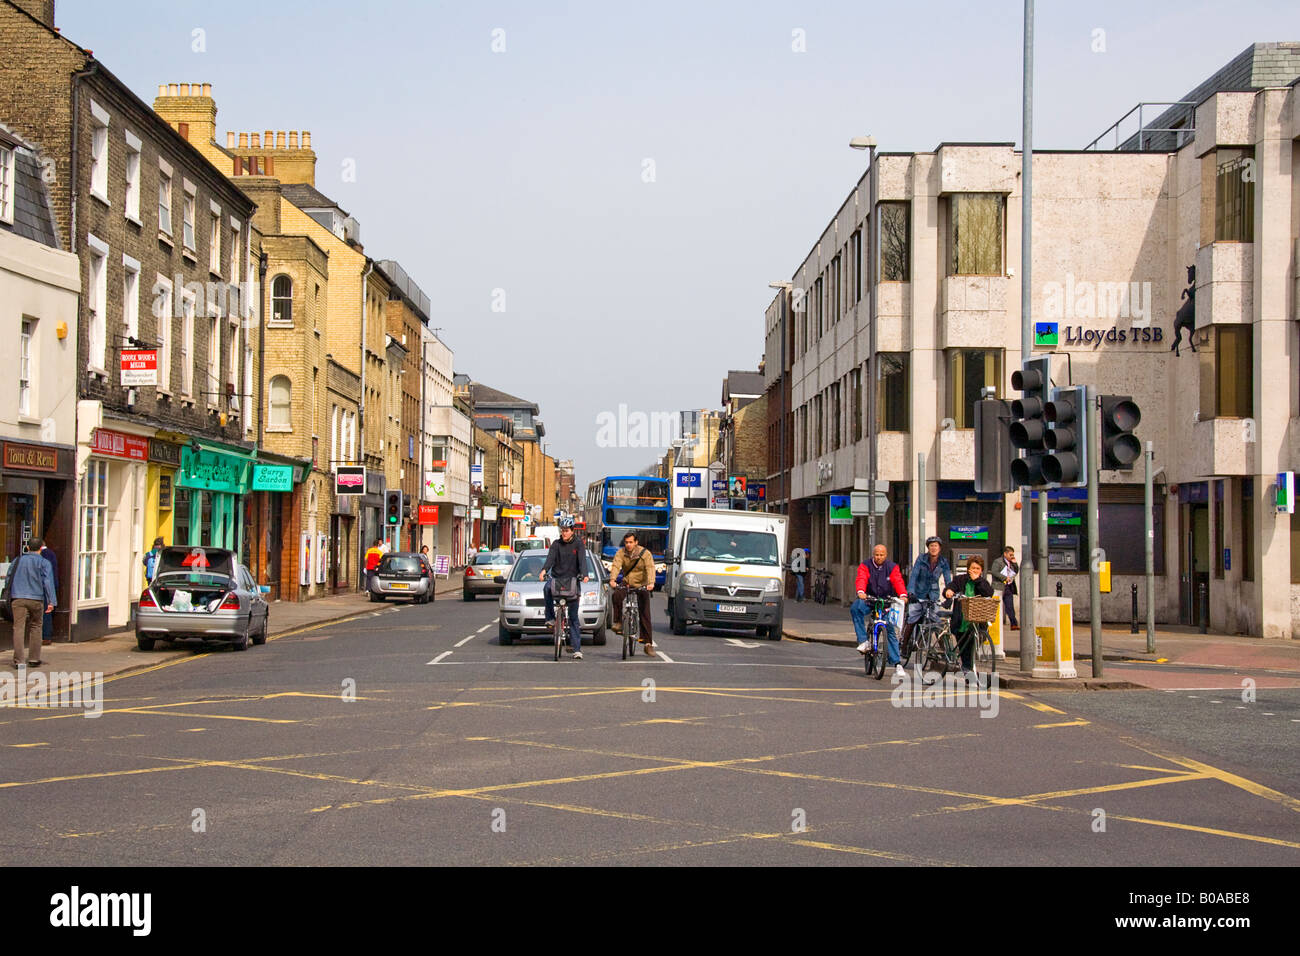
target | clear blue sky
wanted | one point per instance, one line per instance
(522, 170)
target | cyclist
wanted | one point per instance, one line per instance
(565, 559)
(878, 579)
(923, 582)
(970, 583)
(635, 568)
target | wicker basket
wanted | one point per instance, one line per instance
(979, 610)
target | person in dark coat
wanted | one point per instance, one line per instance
(968, 583)
(47, 625)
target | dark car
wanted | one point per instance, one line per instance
(402, 574)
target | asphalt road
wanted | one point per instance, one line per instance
(411, 736)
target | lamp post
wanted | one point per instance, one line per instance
(869, 143)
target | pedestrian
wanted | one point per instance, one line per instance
(47, 624)
(879, 578)
(1005, 570)
(150, 560)
(799, 568)
(373, 554)
(923, 582)
(33, 595)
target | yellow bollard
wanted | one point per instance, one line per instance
(1054, 640)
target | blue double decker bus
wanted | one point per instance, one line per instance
(621, 503)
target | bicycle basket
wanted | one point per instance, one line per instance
(566, 588)
(979, 610)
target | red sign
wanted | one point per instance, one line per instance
(440, 463)
(139, 367)
(118, 445)
(428, 514)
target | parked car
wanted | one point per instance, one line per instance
(201, 595)
(523, 602)
(402, 574)
(482, 572)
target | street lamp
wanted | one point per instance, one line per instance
(869, 143)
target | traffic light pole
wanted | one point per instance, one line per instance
(1027, 632)
(1150, 536)
(1094, 560)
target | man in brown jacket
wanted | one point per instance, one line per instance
(637, 567)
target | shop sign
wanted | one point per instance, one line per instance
(841, 509)
(458, 511)
(442, 564)
(435, 484)
(513, 513)
(428, 514)
(350, 480)
(968, 532)
(165, 452)
(273, 478)
(490, 513)
(105, 442)
(213, 471)
(164, 491)
(139, 367)
(439, 465)
(30, 457)
(476, 476)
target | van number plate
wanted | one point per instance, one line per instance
(731, 608)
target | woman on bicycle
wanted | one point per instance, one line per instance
(636, 566)
(968, 583)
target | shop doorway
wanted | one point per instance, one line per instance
(1194, 561)
(274, 543)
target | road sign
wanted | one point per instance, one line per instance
(867, 503)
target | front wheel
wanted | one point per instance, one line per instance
(986, 659)
(504, 637)
(678, 621)
(777, 628)
(559, 634)
(881, 640)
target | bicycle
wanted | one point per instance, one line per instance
(930, 642)
(878, 639)
(821, 585)
(979, 613)
(562, 599)
(631, 620)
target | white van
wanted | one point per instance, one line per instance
(725, 569)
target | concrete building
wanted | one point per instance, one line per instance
(1116, 235)
(448, 440)
(40, 284)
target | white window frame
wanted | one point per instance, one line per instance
(272, 425)
(272, 319)
(26, 328)
(131, 295)
(99, 120)
(163, 306)
(214, 355)
(92, 548)
(189, 215)
(248, 377)
(189, 304)
(214, 240)
(166, 184)
(96, 304)
(236, 267)
(232, 373)
(133, 160)
(7, 172)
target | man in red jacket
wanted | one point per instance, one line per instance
(878, 578)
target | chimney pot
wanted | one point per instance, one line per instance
(230, 140)
(269, 139)
(185, 89)
(279, 139)
(257, 141)
(173, 89)
(306, 139)
(243, 141)
(207, 89)
(293, 139)
(162, 89)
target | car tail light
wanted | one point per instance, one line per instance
(231, 603)
(146, 600)
(469, 572)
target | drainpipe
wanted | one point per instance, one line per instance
(261, 342)
(90, 70)
(361, 413)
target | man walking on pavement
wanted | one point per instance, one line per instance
(880, 579)
(798, 567)
(1005, 570)
(32, 596)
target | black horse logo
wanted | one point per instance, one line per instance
(1185, 318)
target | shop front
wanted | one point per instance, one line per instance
(211, 488)
(164, 460)
(37, 500)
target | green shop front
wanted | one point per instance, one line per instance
(212, 486)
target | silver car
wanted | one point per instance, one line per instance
(201, 595)
(523, 602)
(482, 573)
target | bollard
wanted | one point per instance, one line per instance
(1205, 609)
(1134, 628)
(1058, 588)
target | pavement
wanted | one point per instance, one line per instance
(117, 653)
(1183, 658)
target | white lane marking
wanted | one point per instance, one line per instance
(664, 657)
(737, 642)
(438, 658)
(466, 640)
(485, 627)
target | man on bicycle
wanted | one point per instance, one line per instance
(636, 566)
(565, 559)
(971, 583)
(923, 582)
(878, 579)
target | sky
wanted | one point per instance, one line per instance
(595, 195)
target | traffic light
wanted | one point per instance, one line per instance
(1028, 426)
(393, 507)
(1120, 448)
(1066, 461)
(993, 451)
